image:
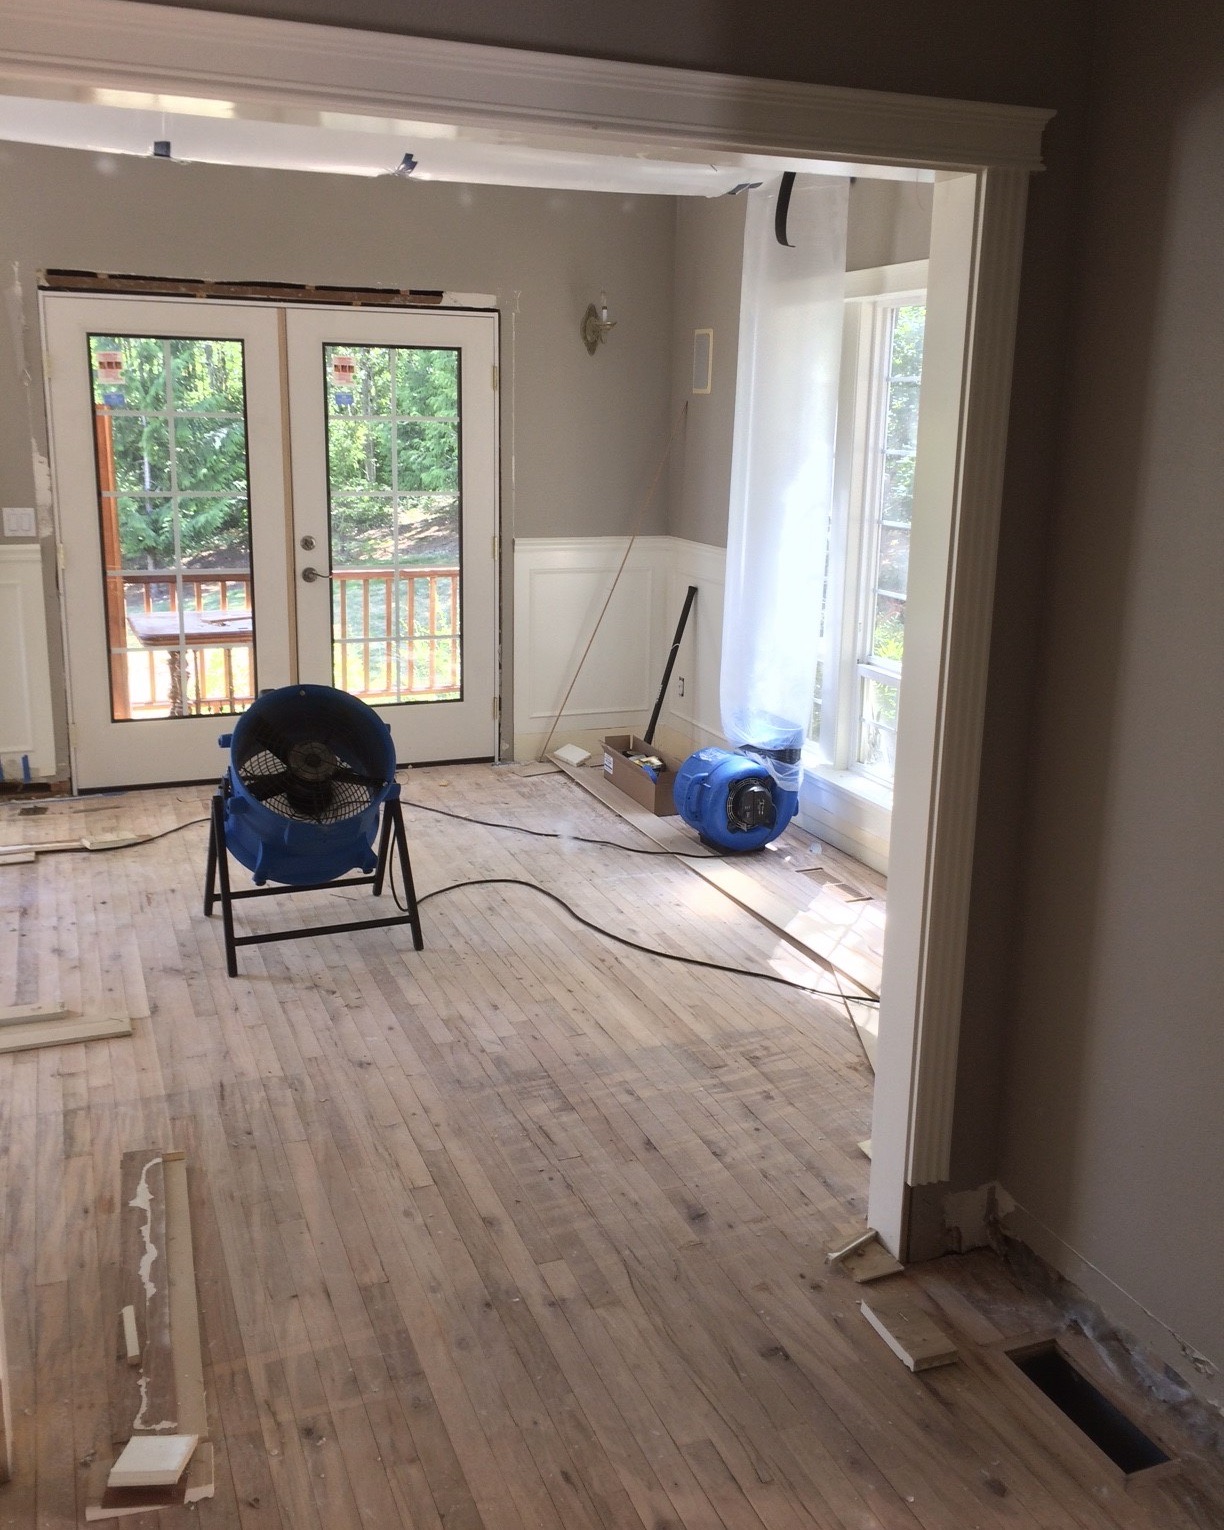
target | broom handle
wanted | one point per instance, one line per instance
(671, 661)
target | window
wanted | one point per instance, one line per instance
(862, 630)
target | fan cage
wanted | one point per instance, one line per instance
(309, 769)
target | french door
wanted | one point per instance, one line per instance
(251, 496)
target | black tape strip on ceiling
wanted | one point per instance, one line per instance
(783, 208)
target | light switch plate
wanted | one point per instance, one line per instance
(19, 522)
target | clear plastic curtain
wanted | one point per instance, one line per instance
(782, 468)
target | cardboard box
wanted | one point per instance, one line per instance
(654, 796)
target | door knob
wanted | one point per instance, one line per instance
(311, 574)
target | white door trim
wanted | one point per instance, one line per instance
(57, 47)
(301, 67)
(106, 752)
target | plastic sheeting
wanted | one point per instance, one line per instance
(782, 469)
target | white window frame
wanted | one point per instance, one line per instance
(846, 803)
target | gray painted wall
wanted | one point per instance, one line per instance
(583, 434)
(709, 263)
(888, 222)
(1113, 1135)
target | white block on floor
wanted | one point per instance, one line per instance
(152, 1460)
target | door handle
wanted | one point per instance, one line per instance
(311, 574)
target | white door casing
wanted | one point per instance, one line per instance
(292, 619)
(263, 63)
(107, 752)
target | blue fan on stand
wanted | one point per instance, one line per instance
(311, 773)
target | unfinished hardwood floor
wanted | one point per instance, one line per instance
(522, 1232)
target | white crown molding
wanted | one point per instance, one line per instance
(124, 44)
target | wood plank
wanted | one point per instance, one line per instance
(145, 1285)
(909, 1332)
(187, 1361)
(58, 1032)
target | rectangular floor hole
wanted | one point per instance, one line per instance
(1106, 1426)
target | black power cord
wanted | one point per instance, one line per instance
(581, 839)
(623, 940)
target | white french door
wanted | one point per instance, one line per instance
(251, 496)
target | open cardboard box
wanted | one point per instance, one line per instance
(654, 796)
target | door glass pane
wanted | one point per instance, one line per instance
(394, 510)
(171, 453)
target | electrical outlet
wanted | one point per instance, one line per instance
(680, 686)
(19, 522)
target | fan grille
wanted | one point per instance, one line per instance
(305, 780)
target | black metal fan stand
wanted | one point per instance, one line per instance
(217, 885)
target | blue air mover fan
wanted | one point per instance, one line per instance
(311, 770)
(731, 799)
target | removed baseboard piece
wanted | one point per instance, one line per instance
(909, 1332)
(860, 1240)
(16, 857)
(61, 1031)
(864, 1258)
(23, 1014)
(152, 1460)
(531, 768)
(871, 1262)
(113, 841)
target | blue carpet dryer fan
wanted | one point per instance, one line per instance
(311, 772)
(731, 798)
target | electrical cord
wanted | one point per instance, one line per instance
(582, 839)
(623, 940)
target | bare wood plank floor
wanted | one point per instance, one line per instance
(525, 1230)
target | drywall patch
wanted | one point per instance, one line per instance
(972, 1218)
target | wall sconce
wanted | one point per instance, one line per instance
(596, 324)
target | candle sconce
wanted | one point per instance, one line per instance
(596, 324)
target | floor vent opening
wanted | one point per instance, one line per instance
(1090, 1410)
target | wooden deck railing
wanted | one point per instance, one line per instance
(396, 636)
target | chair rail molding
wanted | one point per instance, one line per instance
(295, 71)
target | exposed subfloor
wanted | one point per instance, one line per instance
(523, 1232)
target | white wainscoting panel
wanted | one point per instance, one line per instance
(560, 584)
(693, 720)
(26, 729)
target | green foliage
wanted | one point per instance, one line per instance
(393, 456)
(180, 453)
(179, 434)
